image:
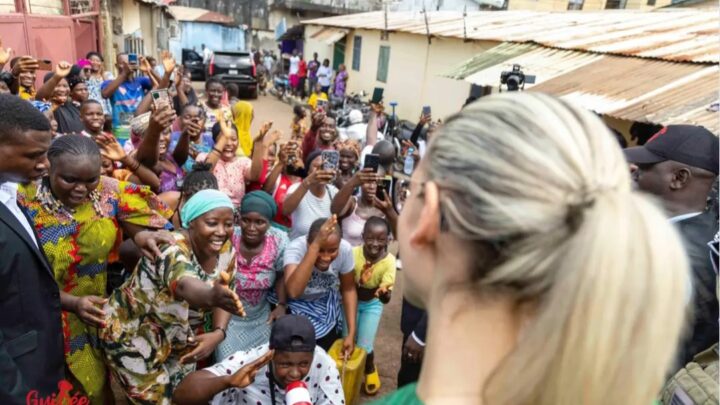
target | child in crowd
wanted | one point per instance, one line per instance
(375, 276)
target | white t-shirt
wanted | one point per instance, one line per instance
(294, 65)
(310, 209)
(323, 380)
(324, 75)
(207, 54)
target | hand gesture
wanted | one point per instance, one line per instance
(5, 54)
(224, 298)
(87, 308)
(377, 108)
(264, 128)
(194, 129)
(145, 65)
(246, 375)
(384, 293)
(179, 76)
(348, 346)
(363, 176)
(25, 64)
(169, 63)
(149, 242)
(384, 205)
(319, 177)
(318, 118)
(163, 114)
(123, 68)
(62, 69)
(277, 313)
(272, 138)
(425, 118)
(326, 230)
(202, 347)
(110, 147)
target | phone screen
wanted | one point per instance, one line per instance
(330, 159)
(377, 95)
(426, 110)
(383, 187)
(372, 161)
(132, 59)
(158, 95)
(45, 64)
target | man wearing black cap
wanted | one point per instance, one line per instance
(260, 375)
(679, 165)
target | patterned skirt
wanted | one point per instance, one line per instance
(245, 333)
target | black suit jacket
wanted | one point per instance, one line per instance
(413, 319)
(31, 339)
(703, 329)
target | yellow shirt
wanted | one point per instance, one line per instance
(383, 272)
(25, 94)
(312, 101)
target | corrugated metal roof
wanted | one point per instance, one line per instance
(687, 35)
(489, 58)
(330, 35)
(200, 15)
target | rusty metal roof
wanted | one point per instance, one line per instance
(200, 15)
(681, 35)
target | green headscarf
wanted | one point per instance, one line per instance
(202, 202)
(260, 202)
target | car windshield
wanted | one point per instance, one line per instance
(228, 59)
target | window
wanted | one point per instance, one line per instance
(383, 62)
(650, 2)
(357, 50)
(615, 4)
(575, 4)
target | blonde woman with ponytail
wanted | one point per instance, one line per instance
(547, 280)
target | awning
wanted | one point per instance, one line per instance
(329, 35)
(628, 88)
(544, 63)
(293, 33)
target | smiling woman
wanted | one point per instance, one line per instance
(79, 217)
(154, 333)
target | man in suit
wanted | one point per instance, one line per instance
(413, 323)
(680, 164)
(31, 343)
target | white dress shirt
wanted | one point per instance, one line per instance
(8, 196)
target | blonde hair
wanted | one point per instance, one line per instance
(545, 185)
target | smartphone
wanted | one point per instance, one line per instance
(132, 59)
(159, 96)
(426, 110)
(330, 159)
(321, 103)
(383, 186)
(372, 161)
(377, 95)
(45, 64)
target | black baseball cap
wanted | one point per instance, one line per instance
(690, 144)
(292, 333)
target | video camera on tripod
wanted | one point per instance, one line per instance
(515, 79)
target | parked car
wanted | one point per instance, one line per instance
(193, 63)
(235, 67)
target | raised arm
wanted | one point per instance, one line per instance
(225, 133)
(371, 132)
(162, 117)
(111, 149)
(62, 70)
(343, 204)
(298, 275)
(424, 119)
(24, 64)
(261, 144)
(123, 73)
(169, 65)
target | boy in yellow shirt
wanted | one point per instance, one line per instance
(316, 96)
(375, 275)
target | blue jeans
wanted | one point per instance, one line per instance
(368, 320)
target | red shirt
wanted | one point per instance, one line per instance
(302, 68)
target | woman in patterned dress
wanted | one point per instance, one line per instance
(149, 339)
(260, 249)
(79, 217)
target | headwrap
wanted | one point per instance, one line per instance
(260, 202)
(312, 156)
(202, 202)
(351, 145)
(74, 81)
(84, 63)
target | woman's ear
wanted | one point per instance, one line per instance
(428, 227)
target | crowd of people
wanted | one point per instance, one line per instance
(158, 243)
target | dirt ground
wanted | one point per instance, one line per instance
(389, 338)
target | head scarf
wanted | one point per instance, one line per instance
(312, 156)
(351, 145)
(84, 63)
(202, 202)
(242, 113)
(260, 202)
(74, 81)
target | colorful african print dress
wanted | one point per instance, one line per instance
(147, 328)
(255, 279)
(79, 243)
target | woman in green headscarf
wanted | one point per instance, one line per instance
(260, 250)
(151, 338)
(243, 116)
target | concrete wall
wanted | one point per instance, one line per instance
(217, 37)
(130, 16)
(413, 71)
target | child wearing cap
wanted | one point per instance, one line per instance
(261, 375)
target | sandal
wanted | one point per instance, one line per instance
(372, 383)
